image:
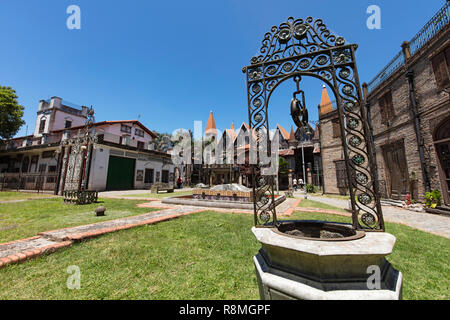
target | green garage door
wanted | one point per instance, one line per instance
(120, 173)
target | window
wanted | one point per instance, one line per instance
(441, 66)
(124, 139)
(341, 174)
(140, 145)
(125, 128)
(42, 168)
(336, 128)
(51, 168)
(48, 154)
(68, 124)
(386, 108)
(165, 176)
(42, 126)
(139, 132)
(148, 177)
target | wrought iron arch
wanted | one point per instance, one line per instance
(306, 47)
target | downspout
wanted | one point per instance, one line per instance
(416, 119)
(321, 154)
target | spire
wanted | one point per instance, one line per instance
(232, 126)
(211, 125)
(292, 135)
(325, 102)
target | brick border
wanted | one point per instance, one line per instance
(78, 237)
(31, 254)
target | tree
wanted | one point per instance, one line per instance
(11, 113)
(283, 166)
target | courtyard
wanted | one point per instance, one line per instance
(204, 255)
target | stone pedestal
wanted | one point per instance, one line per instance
(294, 268)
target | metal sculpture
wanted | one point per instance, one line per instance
(305, 47)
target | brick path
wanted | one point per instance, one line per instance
(50, 241)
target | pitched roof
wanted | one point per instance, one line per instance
(292, 134)
(325, 102)
(283, 131)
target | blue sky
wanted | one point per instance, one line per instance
(172, 62)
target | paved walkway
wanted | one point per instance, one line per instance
(435, 224)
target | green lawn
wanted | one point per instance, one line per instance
(201, 256)
(306, 203)
(25, 219)
(13, 195)
(159, 195)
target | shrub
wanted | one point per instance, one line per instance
(311, 188)
(433, 199)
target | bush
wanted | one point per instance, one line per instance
(433, 199)
(311, 188)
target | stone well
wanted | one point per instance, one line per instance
(325, 261)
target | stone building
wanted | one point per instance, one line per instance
(290, 148)
(409, 119)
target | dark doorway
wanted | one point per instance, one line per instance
(148, 178)
(396, 169)
(442, 144)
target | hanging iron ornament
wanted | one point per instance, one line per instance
(299, 112)
(305, 47)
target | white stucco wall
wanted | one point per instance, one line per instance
(99, 167)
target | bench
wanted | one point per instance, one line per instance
(156, 187)
(80, 197)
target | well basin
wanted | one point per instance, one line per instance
(318, 231)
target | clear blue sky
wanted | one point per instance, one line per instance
(174, 61)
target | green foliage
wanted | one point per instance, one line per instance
(311, 188)
(433, 199)
(283, 166)
(11, 113)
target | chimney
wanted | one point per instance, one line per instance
(55, 102)
(84, 111)
(42, 104)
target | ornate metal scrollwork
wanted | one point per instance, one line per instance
(305, 47)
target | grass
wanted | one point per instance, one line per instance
(201, 256)
(13, 195)
(26, 219)
(159, 195)
(306, 203)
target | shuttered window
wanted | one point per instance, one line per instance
(441, 64)
(336, 128)
(386, 107)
